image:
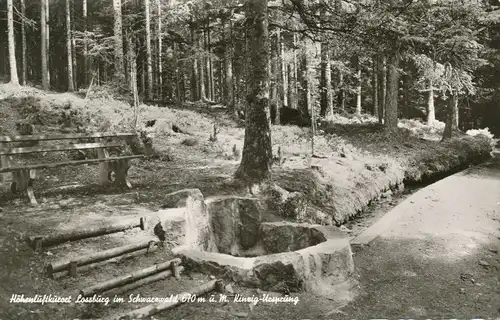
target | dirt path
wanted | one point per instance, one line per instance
(439, 254)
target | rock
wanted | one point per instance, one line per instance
(235, 223)
(225, 224)
(387, 194)
(462, 291)
(250, 218)
(178, 199)
(494, 250)
(229, 288)
(484, 263)
(294, 206)
(286, 236)
(212, 277)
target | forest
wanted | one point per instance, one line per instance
(325, 150)
(392, 59)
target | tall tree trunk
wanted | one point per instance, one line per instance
(118, 33)
(209, 64)
(228, 67)
(177, 80)
(431, 113)
(148, 51)
(383, 88)
(325, 81)
(341, 93)
(23, 43)
(195, 78)
(44, 46)
(202, 65)
(85, 45)
(47, 35)
(452, 116)
(375, 86)
(257, 150)
(305, 84)
(358, 89)
(391, 107)
(12, 46)
(160, 48)
(406, 96)
(280, 85)
(294, 103)
(69, 50)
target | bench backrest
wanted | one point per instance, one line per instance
(6, 150)
(46, 137)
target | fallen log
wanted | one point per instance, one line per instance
(95, 257)
(134, 285)
(182, 298)
(50, 240)
(142, 252)
(116, 282)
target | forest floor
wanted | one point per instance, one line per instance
(358, 162)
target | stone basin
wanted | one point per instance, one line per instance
(232, 237)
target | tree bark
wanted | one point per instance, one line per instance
(47, 35)
(44, 45)
(210, 64)
(325, 81)
(391, 107)
(257, 150)
(69, 50)
(383, 88)
(148, 51)
(375, 86)
(12, 46)
(358, 87)
(280, 85)
(406, 96)
(195, 93)
(118, 33)
(160, 49)
(431, 113)
(203, 93)
(294, 102)
(85, 45)
(23, 43)
(451, 125)
(341, 94)
(228, 67)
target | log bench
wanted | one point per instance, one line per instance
(19, 177)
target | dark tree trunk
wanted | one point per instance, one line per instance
(452, 117)
(375, 88)
(391, 107)
(257, 151)
(383, 89)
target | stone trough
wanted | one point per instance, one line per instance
(232, 237)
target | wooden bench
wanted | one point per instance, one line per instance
(20, 177)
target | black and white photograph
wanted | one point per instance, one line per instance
(249, 159)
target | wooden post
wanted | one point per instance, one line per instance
(104, 172)
(72, 269)
(151, 245)
(219, 286)
(38, 244)
(175, 269)
(31, 175)
(5, 162)
(142, 222)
